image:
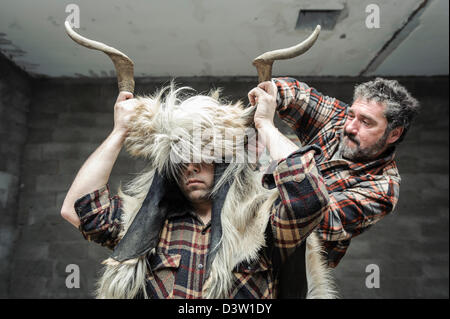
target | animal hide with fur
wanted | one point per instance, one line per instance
(160, 129)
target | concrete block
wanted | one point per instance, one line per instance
(39, 233)
(70, 165)
(4, 286)
(8, 185)
(51, 216)
(433, 288)
(69, 251)
(42, 120)
(49, 102)
(12, 132)
(105, 119)
(7, 237)
(37, 201)
(33, 152)
(33, 251)
(8, 216)
(37, 115)
(36, 136)
(66, 232)
(98, 253)
(60, 196)
(29, 268)
(79, 119)
(57, 289)
(18, 116)
(53, 183)
(25, 287)
(41, 167)
(438, 271)
(67, 150)
(28, 184)
(82, 134)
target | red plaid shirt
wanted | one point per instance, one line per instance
(360, 193)
(177, 269)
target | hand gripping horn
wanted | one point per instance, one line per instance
(123, 64)
(264, 62)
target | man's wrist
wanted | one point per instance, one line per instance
(261, 124)
(118, 136)
(278, 145)
(269, 135)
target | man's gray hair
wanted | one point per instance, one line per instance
(401, 107)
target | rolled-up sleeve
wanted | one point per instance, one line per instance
(100, 215)
(303, 199)
(306, 110)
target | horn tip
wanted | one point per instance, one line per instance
(68, 27)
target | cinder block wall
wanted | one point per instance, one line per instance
(69, 118)
(15, 97)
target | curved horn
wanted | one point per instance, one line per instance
(123, 64)
(264, 62)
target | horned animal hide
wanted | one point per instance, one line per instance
(156, 133)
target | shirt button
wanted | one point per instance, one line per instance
(203, 231)
(200, 266)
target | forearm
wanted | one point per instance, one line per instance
(93, 174)
(278, 145)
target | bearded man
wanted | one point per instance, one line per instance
(208, 228)
(358, 145)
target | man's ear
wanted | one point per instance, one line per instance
(394, 135)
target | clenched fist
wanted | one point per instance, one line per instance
(264, 97)
(124, 109)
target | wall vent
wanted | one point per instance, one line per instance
(309, 19)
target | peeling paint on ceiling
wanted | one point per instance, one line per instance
(221, 38)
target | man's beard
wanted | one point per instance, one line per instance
(358, 154)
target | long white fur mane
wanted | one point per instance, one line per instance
(163, 126)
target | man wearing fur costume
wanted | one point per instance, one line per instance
(202, 222)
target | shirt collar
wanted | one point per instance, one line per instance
(183, 212)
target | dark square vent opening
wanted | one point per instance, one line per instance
(309, 19)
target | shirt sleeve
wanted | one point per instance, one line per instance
(354, 210)
(100, 215)
(302, 201)
(306, 110)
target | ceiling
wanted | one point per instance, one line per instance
(221, 38)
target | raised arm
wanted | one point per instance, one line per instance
(278, 145)
(95, 172)
(303, 197)
(306, 110)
